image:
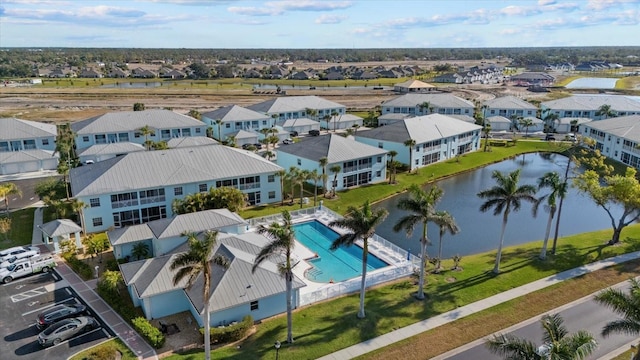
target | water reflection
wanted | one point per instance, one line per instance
(481, 231)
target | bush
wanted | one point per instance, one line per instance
(81, 268)
(106, 352)
(153, 335)
(230, 333)
(112, 265)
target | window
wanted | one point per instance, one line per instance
(165, 134)
(379, 159)
(123, 137)
(227, 183)
(85, 139)
(177, 191)
(154, 213)
(198, 130)
(380, 145)
(254, 305)
(137, 135)
(101, 139)
(95, 202)
(378, 173)
(186, 132)
(272, 194)
(299, 162)
(202, 187)
(227, 125)
(97, 221)
(271, 178)
(45, 142)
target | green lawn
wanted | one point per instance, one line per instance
(332, 325)
(106, 350)
(21, 229)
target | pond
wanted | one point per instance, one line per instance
(592, 83)
(480, 232)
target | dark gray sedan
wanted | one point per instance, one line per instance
(66, 329)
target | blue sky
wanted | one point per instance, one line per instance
(318, 23)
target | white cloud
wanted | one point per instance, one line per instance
(510, 31)
(606, 4)
(310, 5)
(330, 19)
(546, 2)
(254, 11)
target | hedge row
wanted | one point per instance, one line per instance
(81, 268)
(230, 333)
(153, 335)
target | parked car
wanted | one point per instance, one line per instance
(287, 141)
(65, 329)
(258, 146)
(59, 312)
(23, 255)
(7, 253)
(294, 133)
(314, 132)
(550, 137)
(247, 146)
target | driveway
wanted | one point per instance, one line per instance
(28, 198)
(21, 301)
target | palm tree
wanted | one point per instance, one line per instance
(281, 174)
(323, 161)
(392, 168)
(625, 305)
(269, 155)
(355, 128)
(282, 243)
(606, 111)
(315, 176)
(335, 169)
(526, 123)
(327, 118)
(146, 131)
(361, 224)
(550, 120)
(219, 123)
(425, 106)
(410, 143)
(199, 260)
(140, 250)
(78, 206)
(334, 117)
(557, 343)
(312, 113)
(505, 197)
(301, 177)
(558, 189)
(292, 176)
(446, 223)
(7, 189)
(486, 130)
(421, 205)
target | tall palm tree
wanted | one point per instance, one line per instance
(505, 197)
(219, 123)
(281, 174)
(198, 261)
(557, 343)
(292, 176)
(425, 106)
(361, 224)
(421, 205)
(323, 162)
(282, 243)
(392, 169)
(334, 117)
(626, 305)
(558, 189)
(146, 131)
(446, 223)
(526, 123)
(486, 130)
(7, 189)
(140, 250)
(78, 206)
(301, 177)
(335, 169)
(606, 111)
(315, 176)
(410, 143)
(327, 118)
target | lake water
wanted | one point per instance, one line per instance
(480, 231)
(592, 83)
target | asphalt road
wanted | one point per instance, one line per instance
(28, 197)
(583, 314)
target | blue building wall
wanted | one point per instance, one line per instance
(166, 304)
(84, 141)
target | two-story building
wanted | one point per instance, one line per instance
(294, 107)
(589, 106)
(228, 120)
(126, 126)
(424, 104)
(509, 107)
(26, 146)
(437, 138)
(140, 187)
(616, 138)
(359, 163)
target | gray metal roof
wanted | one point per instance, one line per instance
(509, 102)
(435, 100)
(394, 116)
(627, 127)
(243, 134)
(133, 120)
(60, 227)
(234, 113)
(112, 148)
(294, 104)
(499, 119)
(190, 141)
(334, 147)
(130, 234)
(593, 103)
(9, 157)
(568, 120)
(161, 168)
(197, 221)
(231, 287)
(348, 118)
(299, 122)
(15, 129)
(421, 129)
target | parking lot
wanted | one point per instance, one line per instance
(20, 303)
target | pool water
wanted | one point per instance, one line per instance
(339, 265)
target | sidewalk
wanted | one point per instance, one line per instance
(461, 312)
(85, 290)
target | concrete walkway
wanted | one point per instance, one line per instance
(85, 289)
(461, 312)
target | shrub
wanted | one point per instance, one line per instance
(112, 265)
(81, 268)
(153, 335)
(230, 333)
(106, 352)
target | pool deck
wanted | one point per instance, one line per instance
(301, 253)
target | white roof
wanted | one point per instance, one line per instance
(234, 113)
(422, 129)
(15, 129)
(509, 102)
(334, 147)
(499, 119)
(161, 168)
(627, 127)
(593, 103)
(190, 141)
(434, 100)
(8, 157)
(287, 104)
(111, 148)
(133, 120)
(60, 227)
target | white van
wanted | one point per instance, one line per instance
(7, 253)
(20, 256)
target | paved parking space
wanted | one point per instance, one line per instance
(21, 301)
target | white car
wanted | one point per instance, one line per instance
(23, 255)
(287, 141)
(7, 253)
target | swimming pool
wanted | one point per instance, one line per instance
(339, 265)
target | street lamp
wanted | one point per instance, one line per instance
(277, 345)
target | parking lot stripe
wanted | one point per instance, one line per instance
(28, 294)
(78, 336)
(49, 306)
